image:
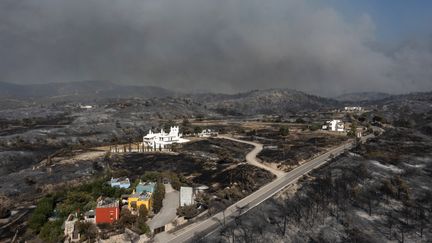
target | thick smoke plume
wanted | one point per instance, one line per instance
(219, 46)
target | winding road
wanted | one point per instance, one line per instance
(251, 157)
(202, 228)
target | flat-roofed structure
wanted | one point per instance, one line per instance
(186, 196)
(107, 210)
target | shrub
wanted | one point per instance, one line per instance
(141, 222)
(43, 210)
(4, 212)
(126, 219)
(314, 127)
(151, 176)
(52, 231)
(283, 131)
(197, 129)
(300, 120)
(87, 230)
(188, 211)
(75, 200)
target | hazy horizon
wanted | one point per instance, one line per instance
(324, 48)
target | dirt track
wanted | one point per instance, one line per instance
(251, 156)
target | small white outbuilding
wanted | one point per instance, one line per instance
(334, 125)
(186, 196)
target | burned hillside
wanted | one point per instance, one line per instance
(288, 150)
(362, 196)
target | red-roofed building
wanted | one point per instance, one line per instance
(107, 211)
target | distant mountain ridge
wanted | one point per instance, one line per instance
(270, 101)
(81, 89)
(255, 102)
(362, 96)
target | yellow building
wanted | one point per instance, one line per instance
(135, 201)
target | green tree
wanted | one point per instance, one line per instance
(175, 182)
(158, 197)
(284, 131)
(197, 129)
(185, 123)
(87, 230)
(75, 200)
(126, 219)
(151, 176)
(141, 222)
(168, 125)
(40, 215)
(353, 130)
(314, 127)
(188, 211)
(52, 231)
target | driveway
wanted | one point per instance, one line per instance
(252, 159)
(168, 212)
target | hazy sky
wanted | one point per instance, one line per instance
(323, 47)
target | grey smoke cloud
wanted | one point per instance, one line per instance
(220, 46)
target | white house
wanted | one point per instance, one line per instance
(120, 182)
(353, 108)
(86, 107)
(334, 125)
(205, 133)
(186, 196)
(162, 139)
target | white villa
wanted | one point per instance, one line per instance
(353, 108)
(162, 139)
(334, 125)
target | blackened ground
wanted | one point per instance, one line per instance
(205, 162)
(288, 151)
(222, 148)
(362, 196)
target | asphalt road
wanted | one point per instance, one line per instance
(205, 227)
(169, 210)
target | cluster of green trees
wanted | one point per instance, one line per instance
(188, 211)
(49, 231)
(87, 230)
(76, 199)
(43, 211)
(176, 180)
(137, 223)
(52, 231)
(83, 198)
